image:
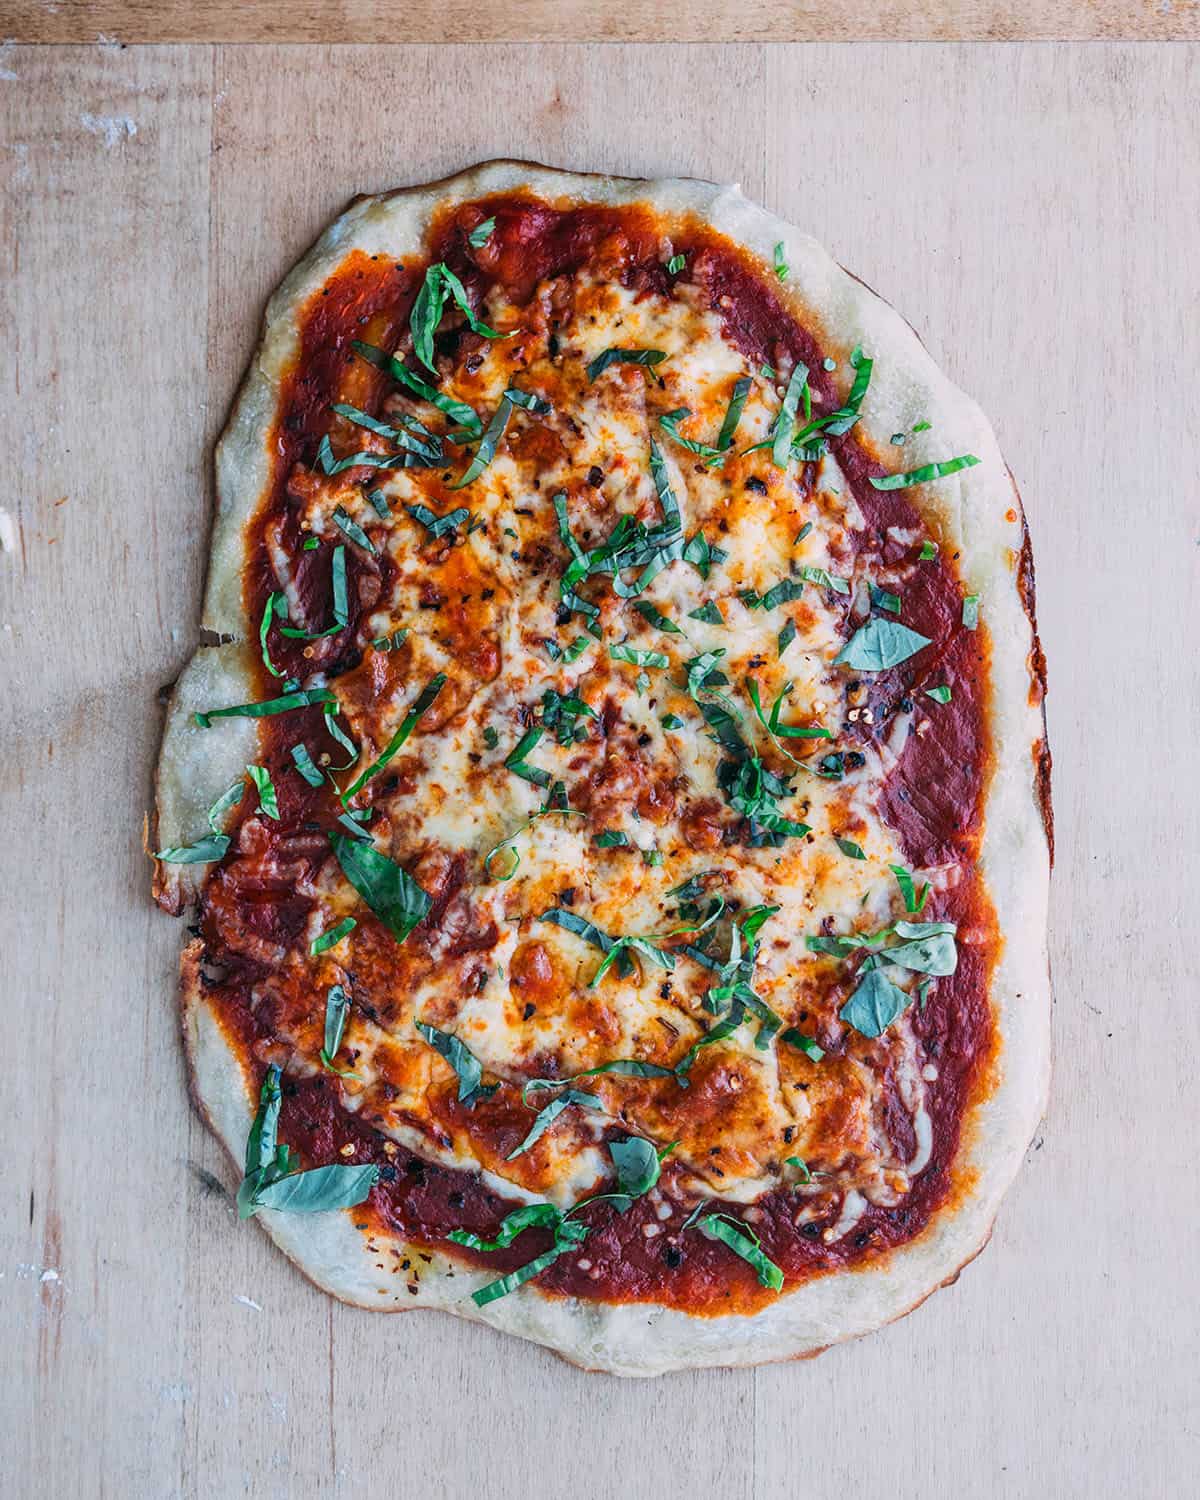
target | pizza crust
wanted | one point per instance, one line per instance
(969, 512)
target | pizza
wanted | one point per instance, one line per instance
(614, 809)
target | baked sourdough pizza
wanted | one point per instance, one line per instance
(617, 814)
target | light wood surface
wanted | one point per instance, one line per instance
(442, 21)
(1034, 211)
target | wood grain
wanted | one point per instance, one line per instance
(439, 21)
(1033, 210)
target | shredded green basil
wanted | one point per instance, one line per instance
(926, 471)
(268, 803)
(880, 644)
(390, 891)
(299, 698)
(212, 846)
(647, 358)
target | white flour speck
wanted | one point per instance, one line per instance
(50, 1274)
(114, 128)
(248, 1302)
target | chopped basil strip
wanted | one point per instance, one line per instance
(349, 528)
(709, 613)
(850, 849)
(914, 900)
(480, 235)
(625, 1067)
(881, 599)
(464, 1062)
(645, 357)
(438, 526)
(880, 644)
(457, 411)
(612, 838)
(785, 422)
(970, 611)
(786, 636)
(300, 698)
(333, 935)
(802, 1043)
(494, 431)
(926, 471)
(782, 268)
(800, 1165)
(212, 846)
(440, 282)
(671, 420)
(276, 605)
(929, 551)
(742, 1240)
(337, 1008)
(420, 705)
(638, 1166)
(519, 766)
(267, 801)
(733, 413)
(676, 264)
(672, 721)
(824, 579)
(651, 613)
(637, 657)
(547, 1116)
(306, 766)
(941, 694)
(390, 891)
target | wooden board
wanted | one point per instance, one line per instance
(1033, 210)
(440, 21)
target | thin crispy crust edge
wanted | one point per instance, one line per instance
(969, 512)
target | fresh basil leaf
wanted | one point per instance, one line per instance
(925, 472)
(970, 611)
(261, 1148)
(515, 1279)
(515, 759)
(802, 533)
(882, 599)
(440, 282)
(300, 698)
(547, 1116)
(638, 1165)
(936, 954)
(718, 1033)
(645, 357)
(800, 1165)
(612, 838)
(390, 891)
(929, 550)
(488, 443)
(782, 269)
(464, 1062)
(318, 1190)
(672, 721)
(333, 935)
(940, 694)
(213, 845)
(480, 235)
(744, 1242)
(880, 644)
(709, 613)
(786, 636)
(268, 803)
(875, 1004)
(420, 705)
(850, 849)
(311, 543)
(845, 417)
(562, 916)
(675, 265)
(457, 411)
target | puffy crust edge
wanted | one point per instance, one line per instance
(969, 512)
